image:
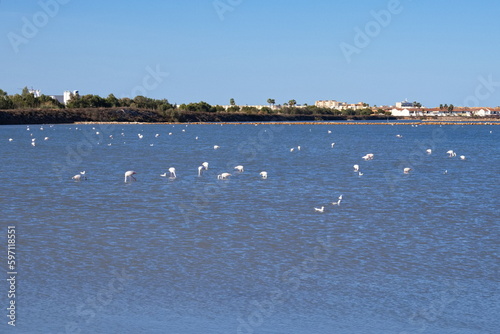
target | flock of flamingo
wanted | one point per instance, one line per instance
(129, 175)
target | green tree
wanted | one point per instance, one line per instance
(112, 101)
(441, 106)
(233, 109)
(3, 93)
(292, 103)
(231, 102)
(450, 108)
(271, 102)
(25, 92)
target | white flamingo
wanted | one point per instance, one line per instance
(129, 175)
(78, 177)
(200, 170)
(216, 147)
(298, 148)
(338, 202)
(140, 136)
(368, 156)
(322, 209)
(399, 136)
(451, 154)
(292, 149)
(263, 174)
(205, 165)
(356, 168)
(10, 139)
(462, 157)
(407, 170)
(333, 144)
(172, 172)
(239, 168)
(223, 176)
(429, 151)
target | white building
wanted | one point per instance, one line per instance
(400, 112)
(332, 104)
(65, 97)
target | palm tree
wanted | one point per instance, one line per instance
(271, 102)
(231, 102)
(292, 103)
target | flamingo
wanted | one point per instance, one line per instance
(223, 176)
(157, 135)
(200, 170)
(292, 149)
(407, 170)
(239, 168)
(322, 209)
(451, 153)
(368, 156)
(462, 157)
(429, 151)
(263, 175)
(78, 177)
(216, 147)
(46, 138)
(399, 136)
(338, 202)
(356, 168)
(140, 136)
(205, 165)
(329, 131)
(298, 148)
(10, 139)
(129, 175)
(163, 175)
(445, 172)
(333, 144)
(172, 172)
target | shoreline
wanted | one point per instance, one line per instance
(145, 116)
(397, 122)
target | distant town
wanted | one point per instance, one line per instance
(34, 99)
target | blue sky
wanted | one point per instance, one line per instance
(251, 50)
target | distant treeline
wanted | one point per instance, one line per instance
(27, 100)
(58, 116)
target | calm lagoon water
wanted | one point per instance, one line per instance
(402, 253)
